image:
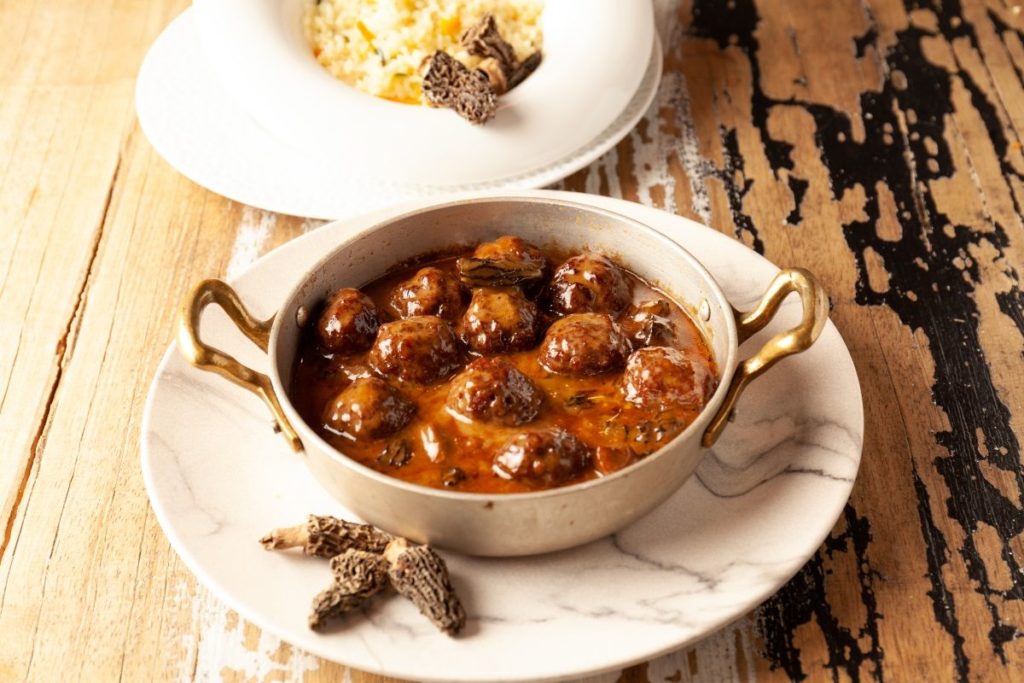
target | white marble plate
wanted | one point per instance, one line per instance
(761, 504)
(594, 60)
(202, 132)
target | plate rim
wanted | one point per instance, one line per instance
(266, 67)
(387, 193)
(382, 668)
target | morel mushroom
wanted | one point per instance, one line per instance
(420, 574)
(368, 560)
(358, 576)
(469, 93)
(482, 39)
(327, 536)
(441, 77)
(498, 272)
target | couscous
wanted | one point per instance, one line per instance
(381, 46)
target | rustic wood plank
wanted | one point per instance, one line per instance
(65, 112)
(62, 121)
(919, 107)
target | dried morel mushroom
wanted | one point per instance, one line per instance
(442, 76)
(420, 574)
(482, 39)
(476, 101)
(327, 537)
(473, 93)
(368, 561)
(358, 576)
(448, 83)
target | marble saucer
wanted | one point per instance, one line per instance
(194, 124)
(760, 505)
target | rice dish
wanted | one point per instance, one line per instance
(380, 46)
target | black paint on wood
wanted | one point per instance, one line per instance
(798, 186)
(803, 599)
(932, 286)
(732, 176)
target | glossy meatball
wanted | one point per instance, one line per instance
(491, 390)
(545, 457)
(659, 376)
(349, 322)
(498, 321)
(368, 408)
(588, 283)
(431, 291)
(420, 349)
(584, 344)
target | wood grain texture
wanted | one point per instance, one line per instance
(876, 142)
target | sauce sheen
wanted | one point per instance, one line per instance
(441, 448)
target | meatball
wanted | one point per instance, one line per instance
(431, 291)
(658, 376)
(368, 408)
(499, 320)
(545, 457)
(584, 344)
(491, 390)
(588, 283)
(420, 349)
(349, 322)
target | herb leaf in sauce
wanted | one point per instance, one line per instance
(581, 399)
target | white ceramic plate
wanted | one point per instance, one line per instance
(761, 504)
(206, 136)
(594, 59)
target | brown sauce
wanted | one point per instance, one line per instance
(440, 448)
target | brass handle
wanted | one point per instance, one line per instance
(207, 357)
(800, 338)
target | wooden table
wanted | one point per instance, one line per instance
(876, 142)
